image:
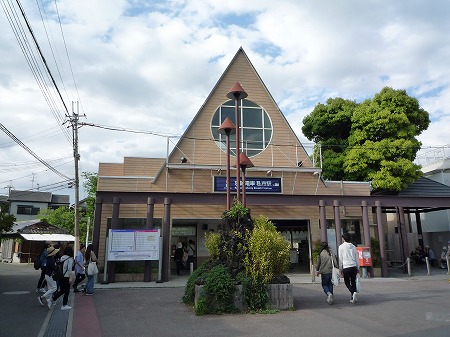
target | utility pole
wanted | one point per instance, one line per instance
(76, 157)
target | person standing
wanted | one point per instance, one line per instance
(42, 283)
(89, 256)
(349, 265)
(79, 268)
(191, 253)
(51, 283)
(324, 267)
(178, 257)
(67, 264)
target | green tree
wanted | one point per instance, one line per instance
(371, 141)
(6, 220)
(62, 217)
(90, 181)
(330, 125)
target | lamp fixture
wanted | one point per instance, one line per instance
(300, 163)
(269, 173)
(183, 160)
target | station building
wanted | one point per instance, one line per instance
(184, 193)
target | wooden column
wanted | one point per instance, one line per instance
(337, 220)
(383, 255)
(114, 225)
(149, 225)
(323, 221)
(365, 220)
(166, 241)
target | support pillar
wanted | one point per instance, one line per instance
(323, 221)
(149, 225)
(383, 255)
(166, 241)
(337, 221)
(419, 228)
(97, 224)
(403, 236)
(365, 220)
(114, 225)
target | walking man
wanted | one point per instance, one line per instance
(349, 265)
(79, 268)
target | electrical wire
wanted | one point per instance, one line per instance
(11, 135)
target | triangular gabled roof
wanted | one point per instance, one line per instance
(197, 144)
(421, 187)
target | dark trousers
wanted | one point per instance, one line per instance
(179, 266)
(78, 279)
(64, 289)
(42, 282)
(350, 278)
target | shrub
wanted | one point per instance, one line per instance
(268, 252)
(212, 241)
(256, 295)
(376, 255)
(219, 290)
(189, 291)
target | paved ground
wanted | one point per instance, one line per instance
(396, 306)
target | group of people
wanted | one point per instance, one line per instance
(184, 257)
(419, 255)
(348, 268)
(50, 259)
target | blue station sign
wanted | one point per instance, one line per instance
(252, 184)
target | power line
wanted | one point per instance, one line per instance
(11, 135)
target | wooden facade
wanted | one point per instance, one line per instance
(180, 193)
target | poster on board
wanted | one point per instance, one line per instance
(133, 244)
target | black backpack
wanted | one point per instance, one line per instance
(58, 273)
(37, 262)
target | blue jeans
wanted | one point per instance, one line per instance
(89, 288)
(326, 283)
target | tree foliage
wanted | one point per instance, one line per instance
(6, 220)
(64, 216)
(371, 141)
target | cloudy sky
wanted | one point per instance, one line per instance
(148, 66)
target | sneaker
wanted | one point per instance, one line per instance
(330, 298)
(41, 301)
(66, 307)
(355, 298)
(88, 294)
(49, 303)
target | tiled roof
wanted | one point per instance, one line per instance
(422, 187)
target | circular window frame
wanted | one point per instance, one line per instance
(255, 133)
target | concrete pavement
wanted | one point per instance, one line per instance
(150, 309)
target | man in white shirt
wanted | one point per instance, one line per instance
(349, 265)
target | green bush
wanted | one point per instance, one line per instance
(316, 251)
(189, 291)
(268, 252)
(376, 255)
(219, 289)
(212, 241)
(256, 295)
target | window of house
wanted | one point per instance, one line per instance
(27, 210)
(254, 124)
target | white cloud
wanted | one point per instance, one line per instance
(125, 56)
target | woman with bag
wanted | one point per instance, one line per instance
(325, 264)
(67, 263)
(91, 267)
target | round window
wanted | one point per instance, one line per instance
(255, 127)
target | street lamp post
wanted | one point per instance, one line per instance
(237, 93)
(245, 163)
(228, 128)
